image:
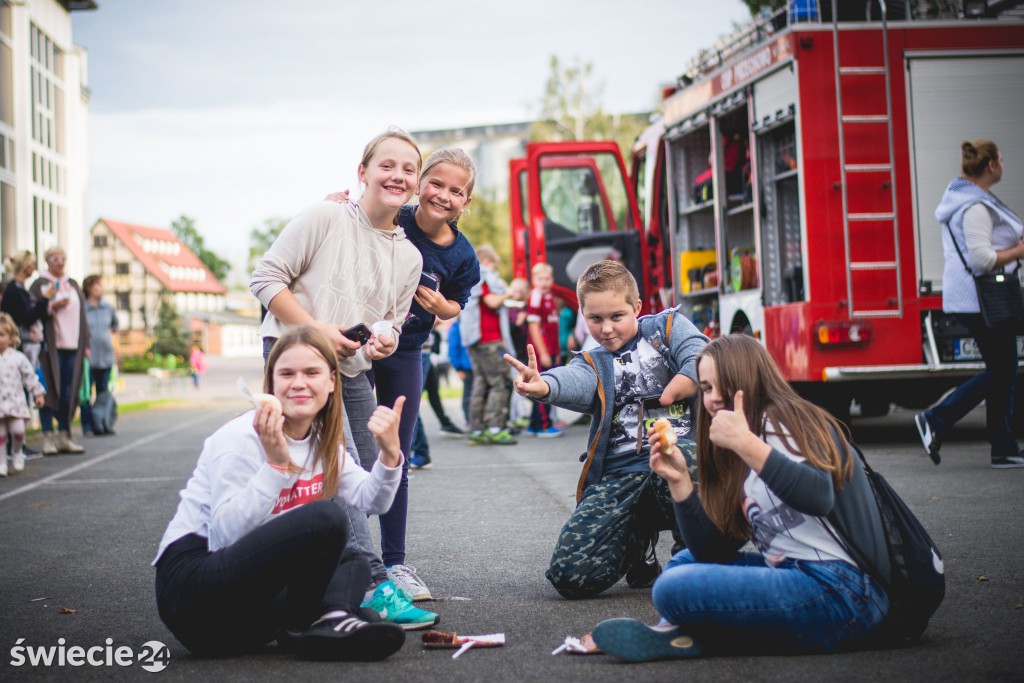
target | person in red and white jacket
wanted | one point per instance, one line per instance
(257, 548)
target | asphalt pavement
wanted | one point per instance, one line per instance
(78, 533)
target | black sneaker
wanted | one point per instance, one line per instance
(1008, 462)
(342, 637)
(645, 569)
(929, 439)
(451, 430)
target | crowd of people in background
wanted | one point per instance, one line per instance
(362, 296)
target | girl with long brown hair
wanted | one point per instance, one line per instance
(774, 470)
(257, 549)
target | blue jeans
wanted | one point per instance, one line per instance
(994, 385)
(800, 606)
(400, 374)
(66, 371)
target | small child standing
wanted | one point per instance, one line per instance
(16, 377)
(484, 329)
(643, 367)
(542, 332)
(197, 360)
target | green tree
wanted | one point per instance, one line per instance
(169, 335)
(755, 5)
(488, 222)
(570, 109)
(260, 238)
(185, 228)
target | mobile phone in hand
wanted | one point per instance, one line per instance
(358, 333)
(430, 281)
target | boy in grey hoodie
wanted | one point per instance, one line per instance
(644, 368)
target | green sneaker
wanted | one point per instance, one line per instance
(395, 606)
(501, 438)
(478, 438)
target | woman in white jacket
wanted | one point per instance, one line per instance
(257, 548)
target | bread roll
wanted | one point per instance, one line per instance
(274, 401)
(667, 437)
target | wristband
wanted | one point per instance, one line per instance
(279, 468)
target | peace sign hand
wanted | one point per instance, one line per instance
(528, 382)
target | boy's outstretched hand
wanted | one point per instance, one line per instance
(383, 425)
(528, 382)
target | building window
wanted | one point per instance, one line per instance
(99, 241)
(121, 268)
(124, 301)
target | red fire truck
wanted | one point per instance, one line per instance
(787, 191)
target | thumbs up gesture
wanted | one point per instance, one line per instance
(528, 382)
(729, 428)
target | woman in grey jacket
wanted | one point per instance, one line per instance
(980, 235)
(771, 471)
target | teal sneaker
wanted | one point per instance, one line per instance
(635, 641)
(501, 438)
(395, 606)
(478, 438)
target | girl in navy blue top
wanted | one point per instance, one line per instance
(450, 270)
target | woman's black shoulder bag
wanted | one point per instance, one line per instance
(999, 295)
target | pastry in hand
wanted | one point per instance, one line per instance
(270, 399)
(666, 435)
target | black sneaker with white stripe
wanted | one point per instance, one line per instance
(342, 637)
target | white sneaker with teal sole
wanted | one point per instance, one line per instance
(405, 578)
(395, 606)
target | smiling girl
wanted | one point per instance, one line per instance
(336, 266)
(774, 471)
(451, 269)
(257, 548)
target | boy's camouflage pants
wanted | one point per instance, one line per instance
(610, 530)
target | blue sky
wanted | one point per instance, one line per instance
(234, 111)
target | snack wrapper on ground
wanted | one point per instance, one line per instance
(448, 640)
(584, 645)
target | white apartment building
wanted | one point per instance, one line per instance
(44, 100)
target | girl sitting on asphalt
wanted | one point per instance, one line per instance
(772, 467)
(257, 548)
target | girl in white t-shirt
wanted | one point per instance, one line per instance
(257, 548)
(775, 471)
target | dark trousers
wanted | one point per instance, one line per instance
(994, 385)
(101, 382)
(66, 370)
(283, 574)
(400, 374)
(432, 385)
(608, 532)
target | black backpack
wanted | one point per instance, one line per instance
(918, 582)
(104, 413)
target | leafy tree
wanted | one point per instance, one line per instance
(169, 335)
(185, 229)
(260, 238)
(487, 222)
(571, 109)
(755, 5)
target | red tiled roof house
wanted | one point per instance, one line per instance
(137, 264)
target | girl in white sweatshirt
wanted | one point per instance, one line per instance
(257, 548)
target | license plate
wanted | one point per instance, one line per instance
(967, 349)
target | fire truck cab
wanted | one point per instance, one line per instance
(788, 191)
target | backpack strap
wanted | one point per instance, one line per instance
(597, 435)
